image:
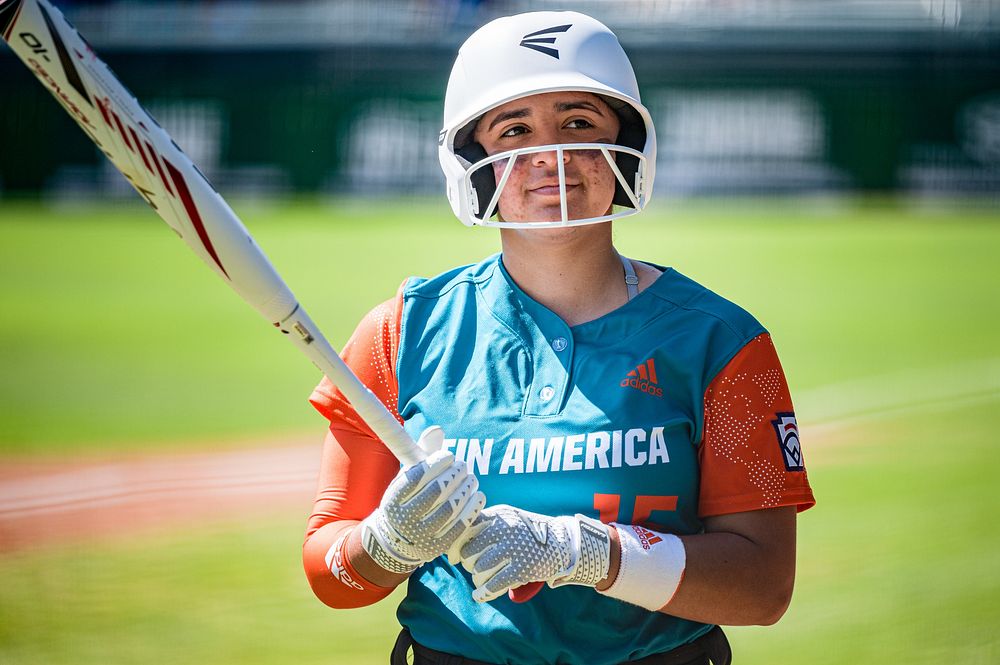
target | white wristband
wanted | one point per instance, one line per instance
(652, 565)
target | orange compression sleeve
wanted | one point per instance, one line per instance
(356, 467)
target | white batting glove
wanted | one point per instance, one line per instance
(510, 547)
(424, 511)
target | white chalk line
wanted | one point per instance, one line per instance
(294, 470)
(822, 429)
(822, 411)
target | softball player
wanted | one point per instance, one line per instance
(632, 431)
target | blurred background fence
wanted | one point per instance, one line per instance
(305, 96)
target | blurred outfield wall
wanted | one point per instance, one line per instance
(754, 97)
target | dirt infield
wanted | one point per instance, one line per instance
(44, 501)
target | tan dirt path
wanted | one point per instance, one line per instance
(45, 501)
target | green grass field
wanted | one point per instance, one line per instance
(115, 339)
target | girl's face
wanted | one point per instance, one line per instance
(532, 189)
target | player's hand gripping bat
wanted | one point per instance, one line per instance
(174, 187)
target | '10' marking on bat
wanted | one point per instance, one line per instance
(35, 45)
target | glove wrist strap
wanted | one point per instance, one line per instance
(594, 553)
(382, 552)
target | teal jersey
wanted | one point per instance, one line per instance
(604, 418)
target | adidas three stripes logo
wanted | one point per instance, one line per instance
(643, 378)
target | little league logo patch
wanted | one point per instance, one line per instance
(788, 438)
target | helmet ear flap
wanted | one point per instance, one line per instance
(629, 166)
(631, 135)
(484, 183)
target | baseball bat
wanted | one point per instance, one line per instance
(183, 198)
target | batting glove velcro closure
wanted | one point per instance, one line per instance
(426, 509)
(593, 545)
(376, 539)
(509, 547)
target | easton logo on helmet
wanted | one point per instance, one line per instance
(534, 40)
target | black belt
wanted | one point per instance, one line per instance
(712, 646)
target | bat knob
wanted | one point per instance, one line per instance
(523, 594)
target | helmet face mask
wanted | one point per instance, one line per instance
(532, 54)
(486, 182)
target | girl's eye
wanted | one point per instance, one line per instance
(579, 123)
(516, 130)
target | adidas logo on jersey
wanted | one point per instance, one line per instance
(643, 378)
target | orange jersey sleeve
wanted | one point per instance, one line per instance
(750, 454)
(356, 466)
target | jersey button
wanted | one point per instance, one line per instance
(546, 393)
(559, 343)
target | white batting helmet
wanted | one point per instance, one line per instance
(533, 53)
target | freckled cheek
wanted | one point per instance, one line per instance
(516, 179)
(518, 170)
(511, 203)
(598, 175)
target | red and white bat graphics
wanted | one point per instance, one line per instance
(174, 187)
